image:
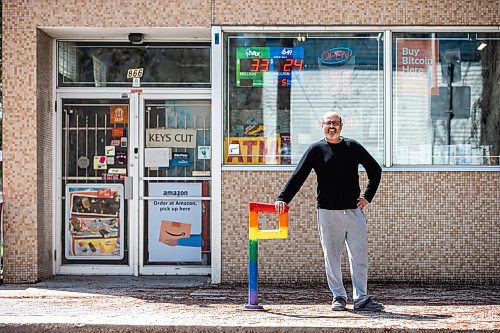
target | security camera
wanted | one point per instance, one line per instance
(136, 38)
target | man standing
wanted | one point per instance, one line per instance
(335, 160)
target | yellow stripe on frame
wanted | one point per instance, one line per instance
(256, 234)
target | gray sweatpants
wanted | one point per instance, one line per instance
(337, 227)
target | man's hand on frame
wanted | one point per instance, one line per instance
(280, 206)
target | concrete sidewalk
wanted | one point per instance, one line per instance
(187, 304)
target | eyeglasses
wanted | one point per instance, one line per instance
(330, 123)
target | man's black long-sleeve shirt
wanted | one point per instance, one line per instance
(336, 166)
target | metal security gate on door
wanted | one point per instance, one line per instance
(127, 203)
(175, 184)
(94, 227)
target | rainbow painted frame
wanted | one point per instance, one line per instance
(253, 254)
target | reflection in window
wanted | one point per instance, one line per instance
(84, 64)
(192, 116)
(67, 61)
(446, 98)
(279, 86)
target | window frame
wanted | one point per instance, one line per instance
(117, 44)
(388, 123)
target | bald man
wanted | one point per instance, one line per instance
(340, 217)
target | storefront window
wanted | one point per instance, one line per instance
(446, 98)
(92, 64)
(280, 85)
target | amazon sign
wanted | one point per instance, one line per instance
(174, 222)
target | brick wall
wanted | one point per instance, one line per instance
(27, 59)
(19, 143)
(357, 12)
(45, 111)
(27, 95)
(419, 228)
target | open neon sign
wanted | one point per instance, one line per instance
(336, 55)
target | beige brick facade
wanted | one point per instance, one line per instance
(19, 144)
(45, 150)
(419, 227)
(357, 12)
(423, 225)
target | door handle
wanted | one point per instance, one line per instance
(129, 188)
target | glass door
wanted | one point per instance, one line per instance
(175, 184)
(94, 185)
(133, 184)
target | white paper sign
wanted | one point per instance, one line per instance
(118, 171)
(110, 150)
(182, 247)
(204, 152)
(234, 149)
(156, 157)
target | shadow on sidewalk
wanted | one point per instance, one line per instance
(199, 292)
(368, 315)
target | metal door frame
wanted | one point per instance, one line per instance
(94, 269)
(135, 210)
(166, 94)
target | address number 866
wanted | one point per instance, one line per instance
(135, 72)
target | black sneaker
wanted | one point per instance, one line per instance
(338, 304)
(369, 305)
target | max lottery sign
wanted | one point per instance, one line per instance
(171, 137)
